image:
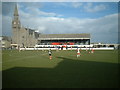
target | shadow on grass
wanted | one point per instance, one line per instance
(68, 74)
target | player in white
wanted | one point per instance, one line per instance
(78, 53)
(50, 54)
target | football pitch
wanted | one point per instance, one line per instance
(34, 69)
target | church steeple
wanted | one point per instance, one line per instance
(16, 11)
(16, 25)
(16, 21)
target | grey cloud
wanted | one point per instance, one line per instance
(6, 25)
(8, 8)
(0, 25)
(7, 14)
(35, 12)
(103, 29)
(0, 7)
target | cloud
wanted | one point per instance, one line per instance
(76, 4)
(6, 25)
(31, 4)
(41, 29)
(0, 7)
(61, 4)
(36, 11)
(90, 8)
(102, 29)
(68, 4)
(8, 8)
(33, 11)
(0, 25)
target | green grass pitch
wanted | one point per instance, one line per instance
(33, 69)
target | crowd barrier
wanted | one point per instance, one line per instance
(110, 48)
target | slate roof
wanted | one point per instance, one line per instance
(62, 36)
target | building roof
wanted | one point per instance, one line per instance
(6, 38)
(36, 35)
(64, 36)
(31, 31)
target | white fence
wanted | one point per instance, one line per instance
(110, 48)
(63, 45)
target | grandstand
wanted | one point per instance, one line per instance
(64, 39)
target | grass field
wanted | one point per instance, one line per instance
(33, 69)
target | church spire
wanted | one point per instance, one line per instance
(16, 20)
(16, 11)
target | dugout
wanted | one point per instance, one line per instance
(64, 39)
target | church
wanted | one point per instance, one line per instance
(26, 37)
(21, 36)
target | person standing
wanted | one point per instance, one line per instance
(92, 51)
(50, 54)
(78, 53)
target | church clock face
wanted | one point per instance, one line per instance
(14, 22)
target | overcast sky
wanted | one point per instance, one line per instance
(100, 19)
